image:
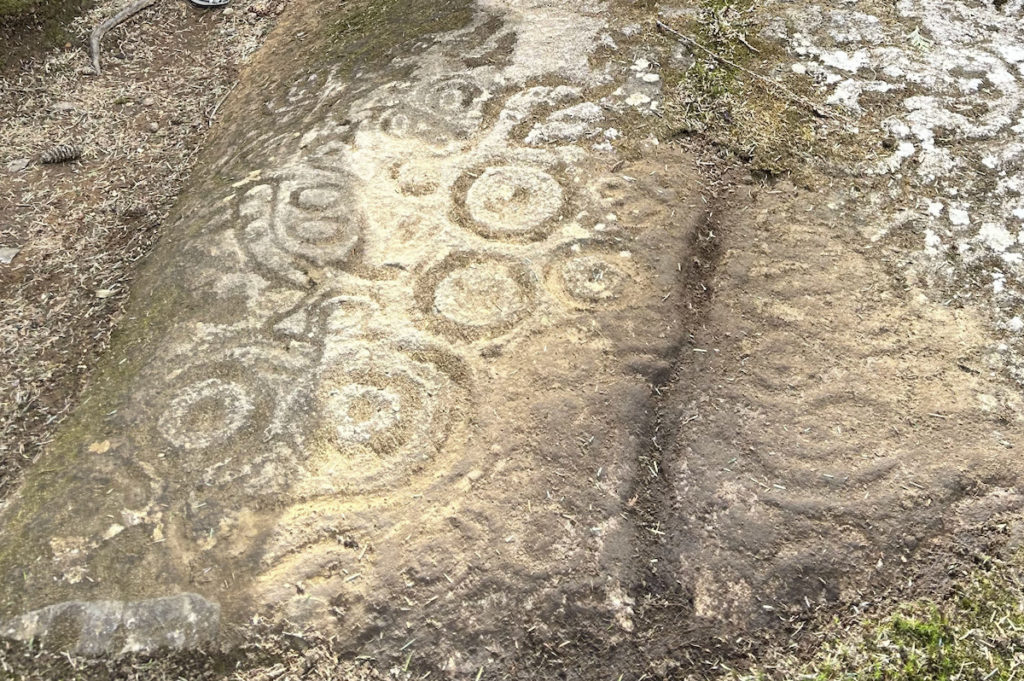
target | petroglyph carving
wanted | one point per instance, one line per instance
(303, 216)
(205, 413)
(510, 201)
(379, 415)
(345, 299)
(473, 295)
(440, 109)
(594, 274)
(305, 96)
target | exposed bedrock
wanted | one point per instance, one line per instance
(423, 364)
(390, 370)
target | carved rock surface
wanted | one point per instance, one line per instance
(402, 352)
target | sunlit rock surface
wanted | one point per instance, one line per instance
(391, 373)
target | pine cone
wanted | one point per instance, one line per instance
(62, 153)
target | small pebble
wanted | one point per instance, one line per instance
(228, 11)
(154, 126)
(17, 165)
(7, 254)
(148, 101)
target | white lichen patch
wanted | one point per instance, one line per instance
(943, 86)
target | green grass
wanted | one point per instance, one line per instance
(9, 8)
(726, 104)
(974, 634)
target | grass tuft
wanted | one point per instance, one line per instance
(975, 634)
(746, 119)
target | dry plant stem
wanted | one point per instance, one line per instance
(773, 85)
(107, 24)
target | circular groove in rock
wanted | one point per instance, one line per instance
(296, 215)
(205, 413)
(470, 296)
(513, 202)
(595, 274)
(377, 416)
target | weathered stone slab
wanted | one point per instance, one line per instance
(391, 377)
(92, 628)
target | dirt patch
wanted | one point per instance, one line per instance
(30, 28)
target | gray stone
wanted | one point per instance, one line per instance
(17, 165)
(390, 300)
(117, 627)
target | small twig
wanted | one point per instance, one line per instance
(750, 47)
(107, 24)
(772, 84)
(219, 102)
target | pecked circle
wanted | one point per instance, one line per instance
(362, 412)
(513, 201)
(316, 223)
(377, 416)
(593, 279)
(397, 123)
(471, 296)
(227, 413)
(593, 274)
(480, 295)
(316, 198)
(205, 413)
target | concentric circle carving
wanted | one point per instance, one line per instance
(297, 217)
(514, 202)
(470, 296)
(379, 415)
(593, 274)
